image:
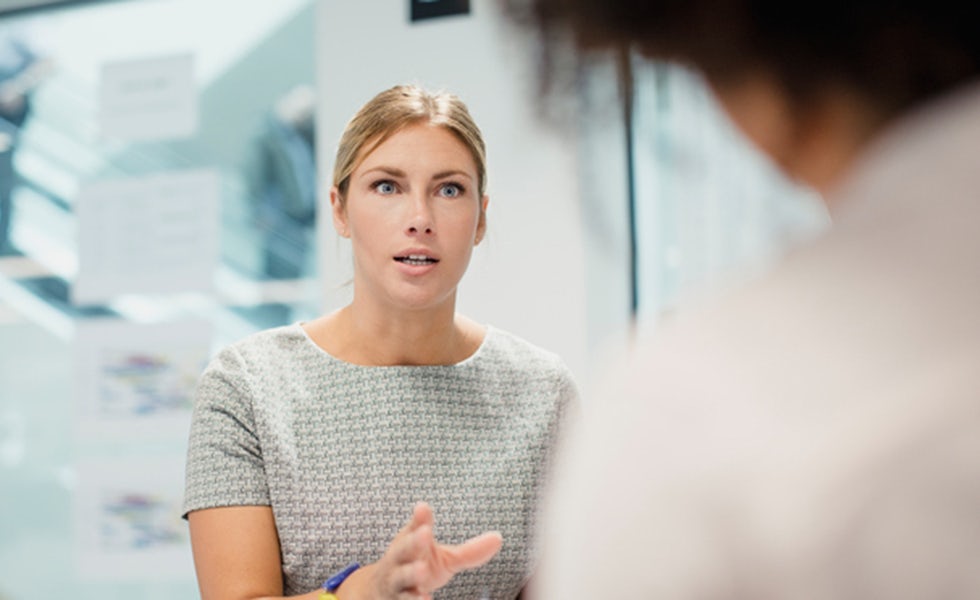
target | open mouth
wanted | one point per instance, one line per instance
(417, 260)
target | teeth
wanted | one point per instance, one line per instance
(416, 260)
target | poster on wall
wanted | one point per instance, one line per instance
(147, 235)
(148, 99)
(136, 381)
(127, 521)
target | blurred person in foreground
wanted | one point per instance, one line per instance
(816, 433)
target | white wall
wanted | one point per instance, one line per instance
(529, 274)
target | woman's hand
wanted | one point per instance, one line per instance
(415, 565)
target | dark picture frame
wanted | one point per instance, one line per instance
(430, 9)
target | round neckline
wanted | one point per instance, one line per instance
(465, 362)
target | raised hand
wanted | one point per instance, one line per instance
(415, 565)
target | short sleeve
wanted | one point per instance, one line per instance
(568, 394)
(569, 408)
(225, 466)
(565, 416)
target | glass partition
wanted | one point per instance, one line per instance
(158, 202)
(709, 207)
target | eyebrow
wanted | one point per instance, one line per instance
(399, 173)
(451, 173)
(386, 170)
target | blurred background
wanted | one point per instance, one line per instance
(164, 168)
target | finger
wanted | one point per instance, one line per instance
(425, 538)
(408, 578)
(412, 546)
(422, 515)
(473, 552)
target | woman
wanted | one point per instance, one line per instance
(313, 444)
(815, 434)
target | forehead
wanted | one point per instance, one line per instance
(420, 146)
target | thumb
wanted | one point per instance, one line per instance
(473, 552)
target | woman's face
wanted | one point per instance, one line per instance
(413, 216)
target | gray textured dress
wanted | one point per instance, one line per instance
(343, 452)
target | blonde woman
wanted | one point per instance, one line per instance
(334, 442)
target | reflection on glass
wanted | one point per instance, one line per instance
(254, 107)
(88, 495)
(709, 206)
(281, 184)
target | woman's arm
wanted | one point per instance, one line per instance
(236, 553)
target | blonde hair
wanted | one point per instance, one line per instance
(396, 108)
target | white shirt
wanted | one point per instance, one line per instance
(815, 434)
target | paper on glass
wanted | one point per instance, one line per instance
(136, 381)
(147, 235)
(148, 99)
(127, 520)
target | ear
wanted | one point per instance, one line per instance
(481, 226)
(339, 213)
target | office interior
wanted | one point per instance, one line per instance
(143, 235)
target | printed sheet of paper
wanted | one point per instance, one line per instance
(146, 235)
(148, 99)
(136, 381)
(127, 520)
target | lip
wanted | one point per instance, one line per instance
(415, 270)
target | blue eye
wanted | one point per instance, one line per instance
(385, 187)
(450, 190)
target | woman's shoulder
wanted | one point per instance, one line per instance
(278, 344)
(510, 349)
(536, 370)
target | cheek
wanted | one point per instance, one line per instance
(466, 227)
(365, 222)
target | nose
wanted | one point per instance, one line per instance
(420, 218)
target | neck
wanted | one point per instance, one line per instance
(832, 142)
(815, 143)
(365, 334)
